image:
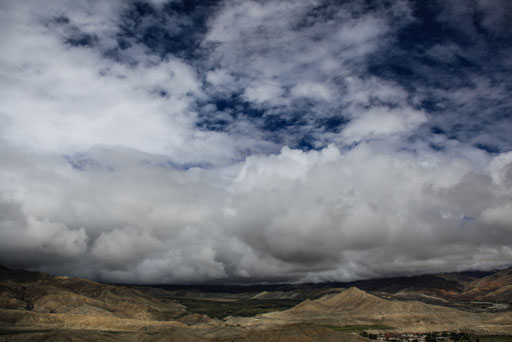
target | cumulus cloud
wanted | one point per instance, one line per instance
(267, 144)
(294, 215)
(383, 121)
(62, 96)
(330, 205)
(24, 239)
(263, 92)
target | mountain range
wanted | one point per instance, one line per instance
(39, 306)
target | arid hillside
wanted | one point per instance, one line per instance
(39, 307)
(354, 306)
(495, 287)
(40, 293)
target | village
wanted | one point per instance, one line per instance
(422, 337)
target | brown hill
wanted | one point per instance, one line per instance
(265, 295)
(43, 293)
(495, 287)
(35, 304)
(417, 296)
(309, 307)
(352, 299)
(354, 306)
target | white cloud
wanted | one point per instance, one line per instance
(122, 247)
(500, 216)
(24, 237)
(322, 208)
(62, 99)
(500, 169)
(312, 90)
(219, 77)
(261, 92)
(272, 217)
(309, 69)
(383, 121)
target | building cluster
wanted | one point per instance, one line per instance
(422, 337)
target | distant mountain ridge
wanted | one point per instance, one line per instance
(453, 281)
(433, 288)
(480, 285)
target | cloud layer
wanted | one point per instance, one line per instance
(241, 141)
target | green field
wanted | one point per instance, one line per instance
(495, 338)
(244, 308)
(355, 328)
(14, 331)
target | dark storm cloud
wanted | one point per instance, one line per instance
(245, 141)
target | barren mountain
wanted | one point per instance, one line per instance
(436, 286)
(41, 293)
(354, 306)
(495, 287)
(38, 306)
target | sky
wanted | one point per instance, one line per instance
(255, 141)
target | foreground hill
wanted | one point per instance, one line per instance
(354, 306)
(39, 307)
(36, 292)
